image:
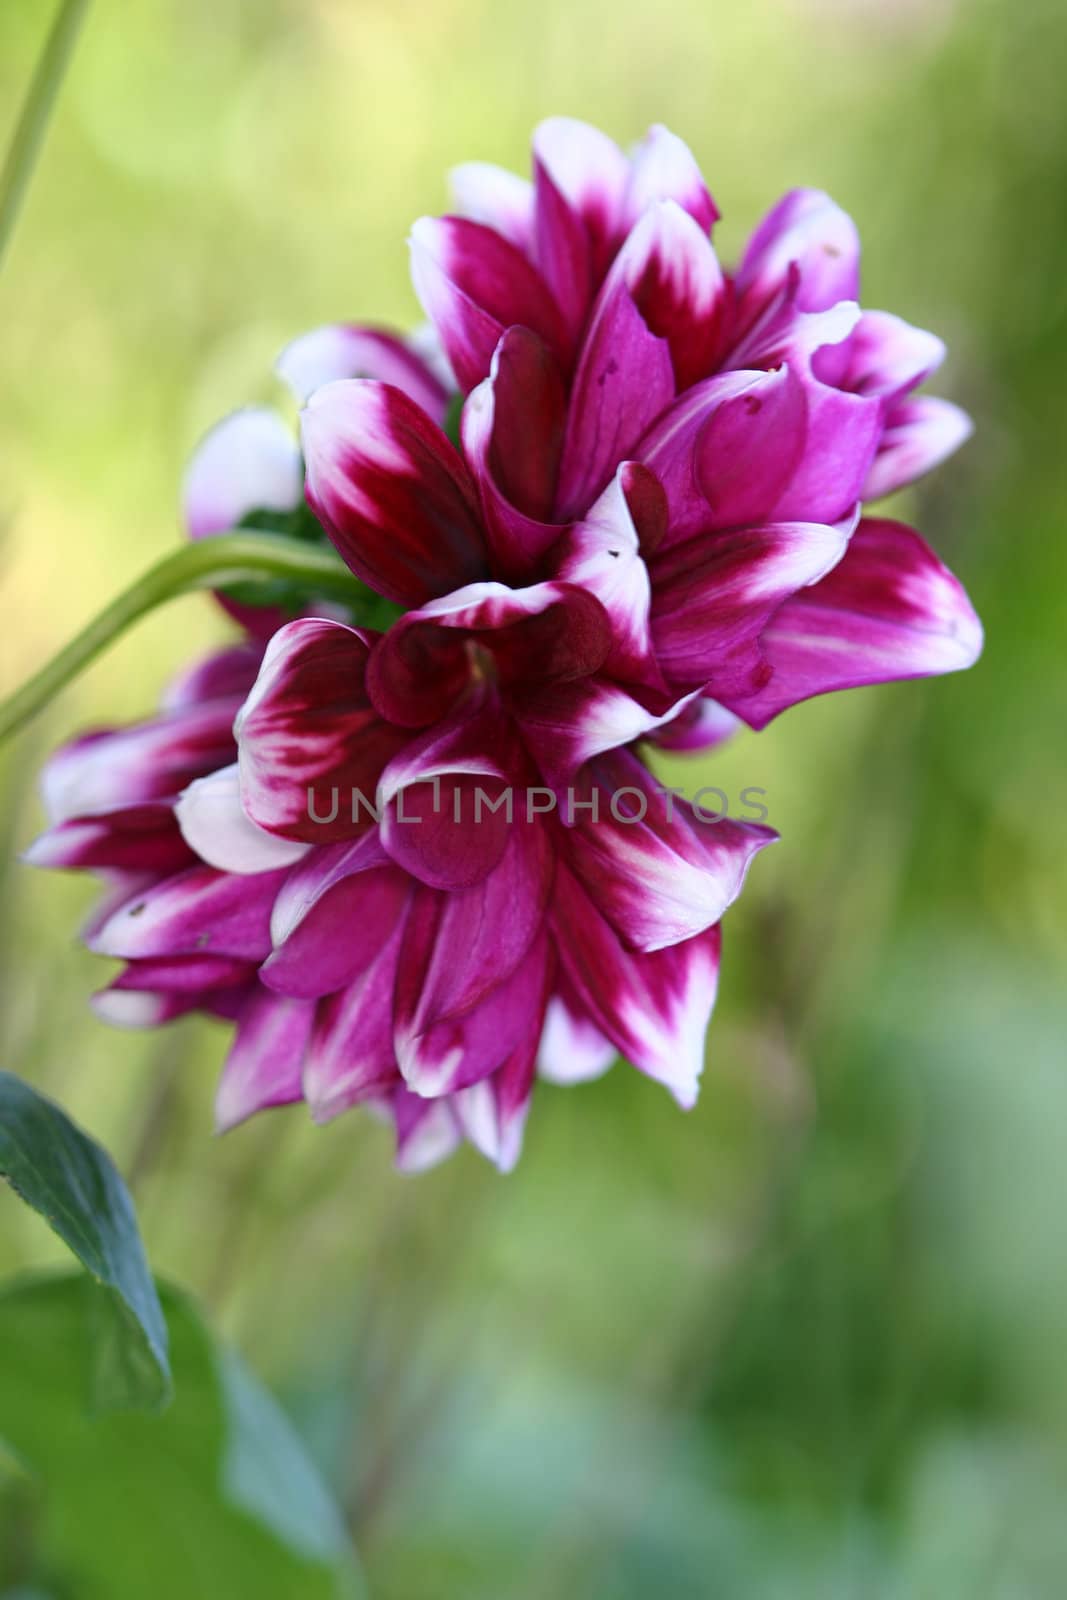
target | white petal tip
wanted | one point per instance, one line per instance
(127, 1008)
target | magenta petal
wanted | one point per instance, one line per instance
(347, 350)
(512, 435)
(654, 1008)
(653, 868)
(538, 635)
(265, 1062)
(883, 355)
(712, 597)
(888, 610)
(492, 1112)
(702, 725)
(446, 1056)
(567, 724)
(918, 435)
(197, 912)
(461, 945)
(391, 491)
(841, 437)
(674, 276)
(351, 1057)
(194, 975)
(750, 449)
(444, 800)
(591, 175)
(663, 167)
(319, 872)
(563, 251)
(783, 332)
(137, 838)
(473, 284)
(426, 1130)
(311, 746)
(140, 1008)
(808, 230)
(215, 825)
(623, 381)
(786, 449)
(669, 447)
(225, 675)
(248, 462)
(149, 761)
(496, 198)
(340, 932)
(602, 555)
(572, 1049)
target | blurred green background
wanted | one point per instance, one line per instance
(811, 1339)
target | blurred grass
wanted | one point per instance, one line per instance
(807, 1340)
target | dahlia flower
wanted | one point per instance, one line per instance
(602, 346)
(421, 963)
(408, 846)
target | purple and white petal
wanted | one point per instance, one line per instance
(459, 946)
(217, 828)
(496, 198)
(654, 869)
(266, 1059)
(512, 429)
(463, 1048)
(543, 634)
(152, 760)
(654, 1008)
(350, 1057)
(197, 912)
(248, 462)
(919, 434)
(623, 382)
(391, 491)
(492, 1112)
(572, 1049)
(703, 725)
(444, 798)
(311, 746)
(888, 610)
(713, 597)
(341, 925)
(566, 724)
(808, 230)
(472, 284)
(348, 350)
(140, 838)
(591, 174)
(883, 355)
(673, 274)
(604, 555)
(662, 167)
(426, 1130)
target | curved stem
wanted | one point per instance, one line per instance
(210, 564)
(32, 124)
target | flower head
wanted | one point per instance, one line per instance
(417, 935)
(413, 863)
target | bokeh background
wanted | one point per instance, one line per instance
(811, 1339)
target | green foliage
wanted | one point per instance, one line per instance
(73, 1183)
(212, 1497)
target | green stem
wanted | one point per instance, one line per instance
(32, 124)
(210, 564)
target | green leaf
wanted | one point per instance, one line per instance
(74, 1184)
(215, 1496)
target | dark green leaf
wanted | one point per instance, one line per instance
(214, 1497)
(74, 1184)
